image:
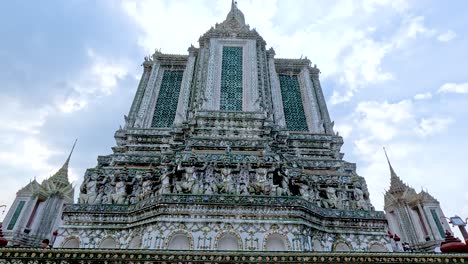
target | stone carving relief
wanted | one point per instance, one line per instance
(130, 186)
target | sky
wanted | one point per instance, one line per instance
(394, 74)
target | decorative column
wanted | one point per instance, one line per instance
(309, 101)
(426, 222)
(184, 96)
(143, 109)
(139, 94)
(276, 97)
(51, 212)
(321, 101)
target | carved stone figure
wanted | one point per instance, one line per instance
(89, 189)
(119, 195)
(261, 185)
(243, 182)
(209, 183)
(227, 184)
(360, 203)
(332, 200)
(189, 183)
(165, 180)
(101, 197)
(283, 188)
(305, 191)
(147, 187)
(136, 194)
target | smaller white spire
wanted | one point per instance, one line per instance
(396, 184)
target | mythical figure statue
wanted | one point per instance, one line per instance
(360, 203)
(227, 184)
(135, 196)
(261, 185)
(243, 182)
(306, 192)
(119, 196)
(209, 183)
(332, 200)
(102, 197)
(165, 179)
(147, 185)
(189, 183)
(283, 187)
(89, 189)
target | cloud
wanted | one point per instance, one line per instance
(405, 128)
(26, 136)
(363, 65)
(351, 52)
(344, 129)
(20, 128)
(461, 88)
(382, 119)
(423, 96)
(433, 125)
(97, 79)
(446, 36)
(175, 37)
(17, 117)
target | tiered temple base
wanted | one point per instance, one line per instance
(85, 256)
(211, 222)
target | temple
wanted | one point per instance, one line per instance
(415, 217)
(36, 211)
(226, 148)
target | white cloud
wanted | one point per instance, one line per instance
(382, 119)
(403, 127)
(24, 155)
(446, 36)
(363, 66)
(351, 51)
(433, 125)
(161, 30)
(423, 96)
(29, 152)
(343, 129)
(18, 118)
(415, 27)
(99, 78)
(21, 125)
(461, 88)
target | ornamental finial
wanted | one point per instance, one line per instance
(396, 185)
(235, 14)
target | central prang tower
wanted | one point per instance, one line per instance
(227, 148)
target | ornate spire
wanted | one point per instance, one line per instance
(427, 197)
(396, 184)
(58, 183)
(61, 176)
(235, 14)
(30, 189)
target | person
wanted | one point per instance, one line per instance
(406, 246)
(44, 243)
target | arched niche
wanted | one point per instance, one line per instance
(341, 246)
(135, 243)
(377, 247)
(109, 243)
(276, 242)
(179, 241)
(71, 242)
(228, 242)
(316, 245)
